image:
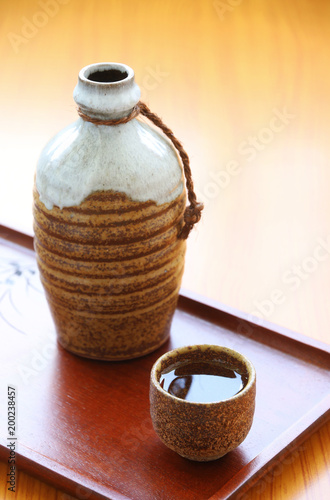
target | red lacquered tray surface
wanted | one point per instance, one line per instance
(84, 425)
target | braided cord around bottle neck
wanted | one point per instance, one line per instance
(193, 212)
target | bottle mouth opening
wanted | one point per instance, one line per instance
(107, 76)
(106, 89)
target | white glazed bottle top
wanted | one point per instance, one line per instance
(131, 158)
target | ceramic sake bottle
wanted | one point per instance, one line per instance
(108, 209)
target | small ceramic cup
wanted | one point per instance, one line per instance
(202, 431)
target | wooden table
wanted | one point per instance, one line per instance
(244, 84)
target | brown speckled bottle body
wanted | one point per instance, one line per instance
(112, 270)
(108, 209)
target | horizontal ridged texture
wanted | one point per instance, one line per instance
(112, 270)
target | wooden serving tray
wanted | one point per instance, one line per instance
(84, 425)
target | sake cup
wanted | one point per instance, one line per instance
(196, 430)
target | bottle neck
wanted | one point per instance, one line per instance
(106, 90)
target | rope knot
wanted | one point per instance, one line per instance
(193, 213)
(191, 216)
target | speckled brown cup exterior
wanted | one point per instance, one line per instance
(111, 268)
(202, 431)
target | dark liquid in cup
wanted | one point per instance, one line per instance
(202, 382)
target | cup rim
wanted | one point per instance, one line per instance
(240, 356)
